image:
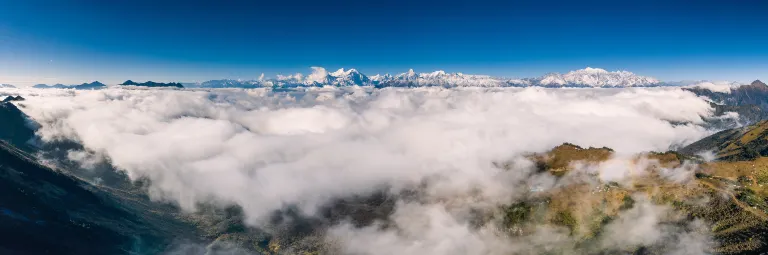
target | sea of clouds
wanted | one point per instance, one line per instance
(265, 150)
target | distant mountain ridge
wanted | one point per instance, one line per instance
(588, 77)
(319, 77)
(225, 83)
(7, 86)
(596, 77)
(742, 143)
(92, 85)
(152, 84)
(750, 101)
(755, 93)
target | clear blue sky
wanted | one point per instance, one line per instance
(75, 41)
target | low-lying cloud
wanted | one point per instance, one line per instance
(265, 150)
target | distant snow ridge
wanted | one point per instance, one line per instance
(319, 77)
(442, 79)
(596, 77)
(226, 83)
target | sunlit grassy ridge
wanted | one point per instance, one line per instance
(558, 161)
(745, 143)
(728, 196)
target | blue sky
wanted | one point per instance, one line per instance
(76, 41)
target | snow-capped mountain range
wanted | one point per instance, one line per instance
(588, 77)
(596, 77)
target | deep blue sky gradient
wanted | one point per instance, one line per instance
(82, 40)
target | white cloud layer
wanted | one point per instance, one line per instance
(716, 86)
(264, 150)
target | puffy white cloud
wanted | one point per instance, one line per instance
(650, 225)
(264, 150)
(319, 75)
(422, 229)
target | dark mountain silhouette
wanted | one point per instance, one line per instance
(55, 86)
(152, 84)
(84, 86)
(129, 83)
(60, 211)
(47, 211)
(92, 85)
(44, 211)
(13, 98)
(15, 127)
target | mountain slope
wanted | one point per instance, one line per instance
(735, 213)
(43, 211)
(14, 126)
(745, 143)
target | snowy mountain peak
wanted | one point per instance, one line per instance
(409, 76)
(379, 78)
(597, 77)
(349, 77)
(587, 77)
(341, 72)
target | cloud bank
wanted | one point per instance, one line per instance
(716, 86)
(265, 151)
